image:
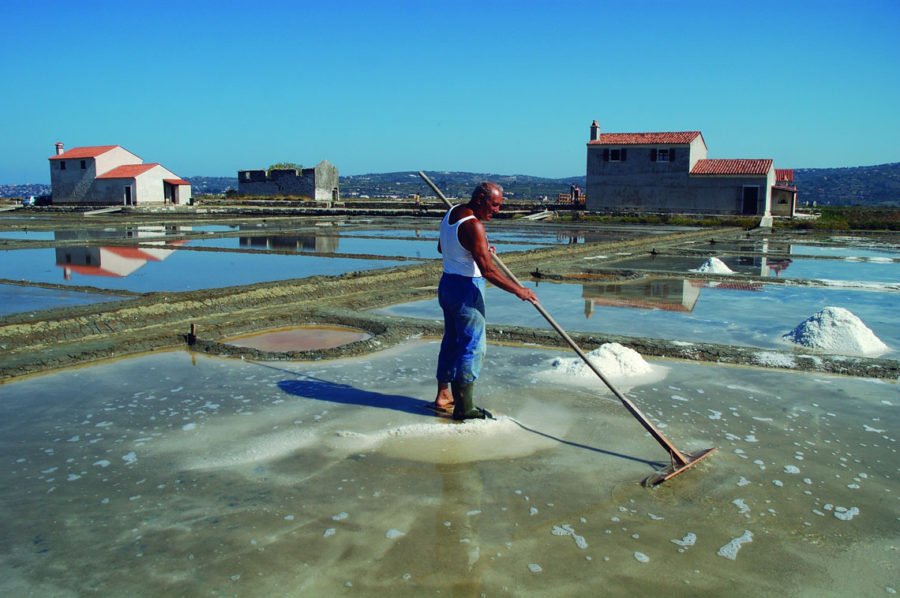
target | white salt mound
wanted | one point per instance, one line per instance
(837, 330)
(714, 266)
(613, 359)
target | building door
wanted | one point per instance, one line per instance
(128, 200)
(751, 200)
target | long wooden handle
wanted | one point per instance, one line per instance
(632, 408)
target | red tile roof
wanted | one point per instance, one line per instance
(177, 181)
(127, 171)
(682, 137)
(784, 174)
(732, 167)
(84, 152)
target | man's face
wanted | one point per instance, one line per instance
(489, 206)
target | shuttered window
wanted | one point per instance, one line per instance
(616, 154)
(662, 155)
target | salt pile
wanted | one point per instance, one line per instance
(613, 359)
(837, 330)
(714, 266)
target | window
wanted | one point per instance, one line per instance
(84, 165)
(662, 155)
(614, 154)
(62, 164)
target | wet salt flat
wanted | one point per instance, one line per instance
(16, 299)
(167, 269)
(870, 270)
(167, 474)
(536, 233)
(424, 249)
(754, 315)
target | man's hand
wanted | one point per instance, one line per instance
(526, 294)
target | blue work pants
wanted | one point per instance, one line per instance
(463, 346)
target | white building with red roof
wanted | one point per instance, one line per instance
(111, 175)
(669, 172)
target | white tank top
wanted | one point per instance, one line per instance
(457, 259)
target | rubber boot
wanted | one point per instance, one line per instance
(464, 402)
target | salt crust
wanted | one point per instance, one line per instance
(714, 266)
(613, 359)
(771, 359)
(836, 330)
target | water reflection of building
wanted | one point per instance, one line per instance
(317, 243)
(765, 264)
(578, 237)
(107, 261)
(668, 294)
(122, 232)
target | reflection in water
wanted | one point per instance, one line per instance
(107, 261)
(668, 294)
(777, 266)
(122, 232)
(312, 242)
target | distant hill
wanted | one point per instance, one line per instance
(859, 185)
(453, 184)
(212, 185)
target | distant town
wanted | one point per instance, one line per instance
(862, 185)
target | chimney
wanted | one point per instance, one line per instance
(60, 150)
(595, 131)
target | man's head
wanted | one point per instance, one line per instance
(486, 200)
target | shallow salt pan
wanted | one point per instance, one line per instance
(315, 511)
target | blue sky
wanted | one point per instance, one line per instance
(508, 87)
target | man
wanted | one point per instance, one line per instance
(467, 263)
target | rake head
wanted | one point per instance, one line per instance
(676, 467)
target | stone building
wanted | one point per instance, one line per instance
(320, 183)
(784, 193)
(111, 175)
(670, 172)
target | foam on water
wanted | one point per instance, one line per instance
(730, 550)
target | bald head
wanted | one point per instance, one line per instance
(485, 191)
(486, 200)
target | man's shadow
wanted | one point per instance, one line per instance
(323, 390)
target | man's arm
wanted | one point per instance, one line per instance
(473, 238)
